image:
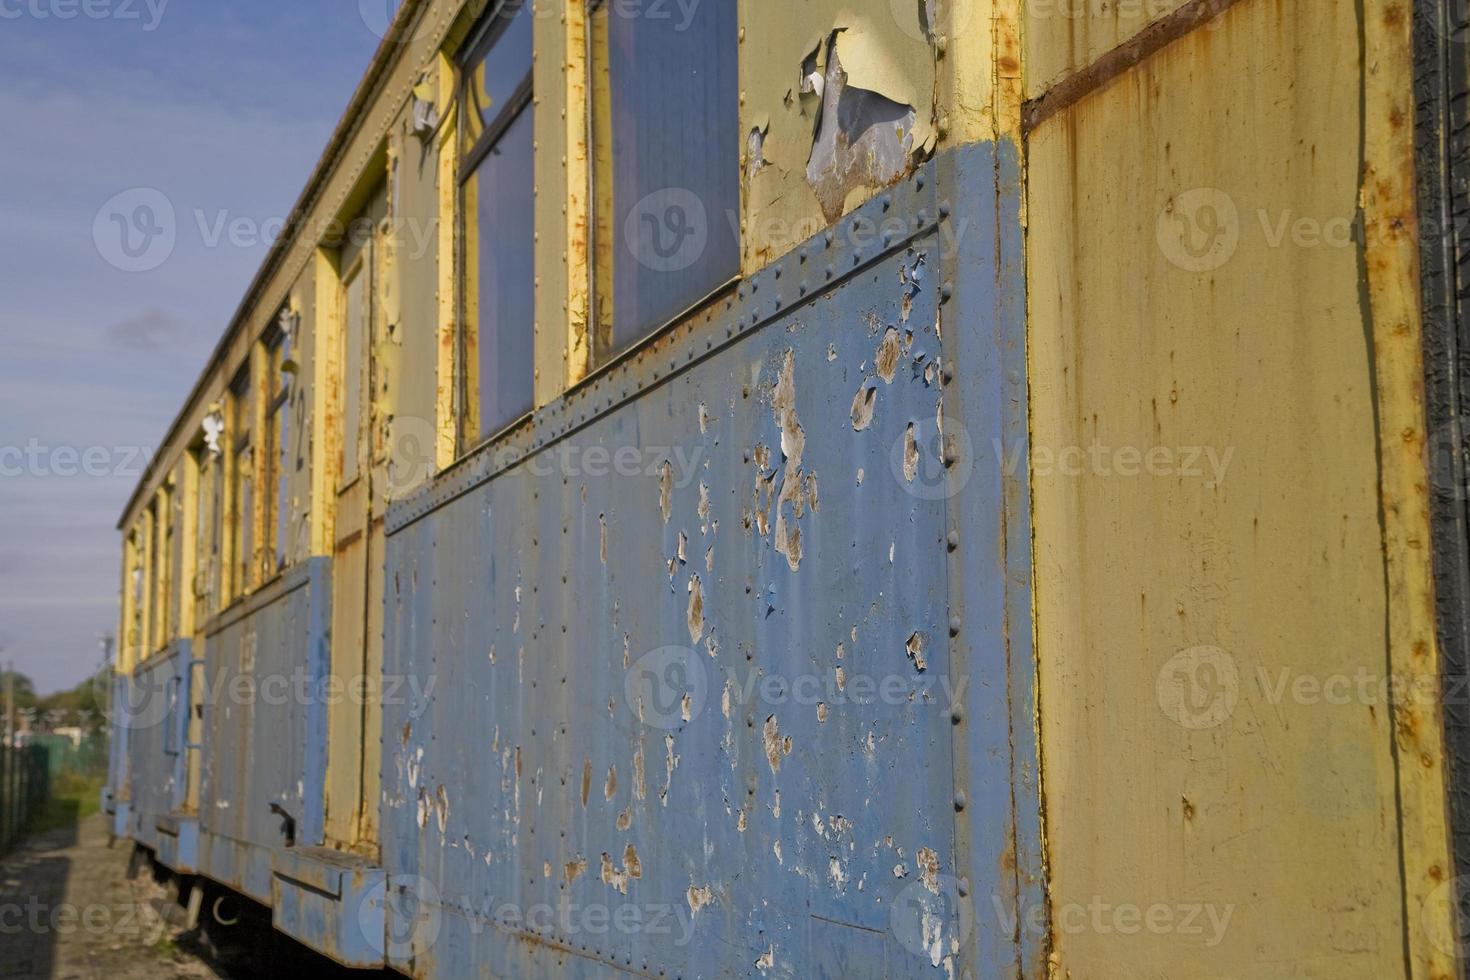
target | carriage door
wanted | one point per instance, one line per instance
(352, 776)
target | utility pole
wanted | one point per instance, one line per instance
(10, 703)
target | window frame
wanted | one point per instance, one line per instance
(168, 498)
(603, 232)
(276, 443)
(487, 33)
(238, 524)
(352, 368)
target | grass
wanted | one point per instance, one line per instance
(74, 796)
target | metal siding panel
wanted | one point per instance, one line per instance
(516, 563)
(155, 715)
(265, 721)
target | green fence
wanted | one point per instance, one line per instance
(25, 782)
(85, 758)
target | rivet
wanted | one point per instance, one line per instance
(956, 715)
(923, 217)
(963, 886)
(954, 540)
(943, 210)
(946, 291)
(959, 800)
(954, 626)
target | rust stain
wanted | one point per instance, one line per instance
(699, 897)
(885, 359)
(696, 609)
(666, 490)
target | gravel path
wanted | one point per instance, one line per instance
(68, 911)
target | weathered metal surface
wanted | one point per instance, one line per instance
(985, 433)
(1238, 731)
(265, 709)
(779, 553)
(1442, 77)
(117, 792)
(332, 902)
(157, 717)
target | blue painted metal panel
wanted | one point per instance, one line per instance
(266, 662)
(332, 902)
(117, 792)
(177, 842)
(687, 698)
(997, 888)
(156, 718)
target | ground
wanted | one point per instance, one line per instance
(69, 910)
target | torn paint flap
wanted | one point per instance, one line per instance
(864, 137)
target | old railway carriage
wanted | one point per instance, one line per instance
(836, 489)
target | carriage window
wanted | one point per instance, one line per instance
(151, 635)
(242, 476)
(206, 544)
(280, 369)
(168, 567)
(497, 204)
(355, 313)
(135, 639)
(666, 166)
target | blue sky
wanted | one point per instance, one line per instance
(222, 107)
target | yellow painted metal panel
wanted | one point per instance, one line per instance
(1218, 607)
(1391, 262)
(1063, 36)
(563, 344)
(344, 714)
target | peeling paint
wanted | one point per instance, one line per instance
(863, 404)
(910, 454)
(885, 359)
(612, 875)
(666, 490)
(927, 860)
(441, 807)
(777, 747)
(915, 648)
(670, 763)
(696, 609)
(797, 490)
(699, 897)
(863, 139)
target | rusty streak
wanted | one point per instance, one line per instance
(1143, 45)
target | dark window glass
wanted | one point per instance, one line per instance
(280, 370)
(242, 497)
(498, 205)
(667, 93)
(499, 66)
(502, 189)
